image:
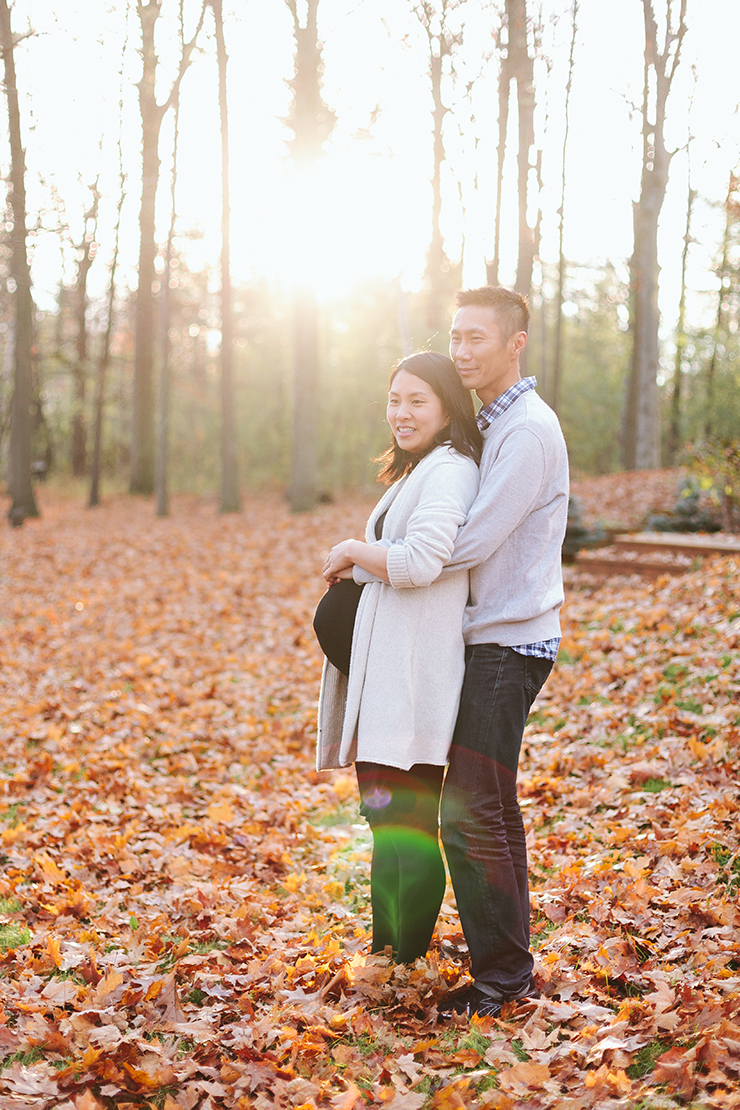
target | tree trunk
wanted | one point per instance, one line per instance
(86, 256)
(19, 469)
(522, 69)
(720, 318)
(305, 400)
(229, 473)
(504, 82)
(436, 255)
(312, 122)
(433, 17)
(641, 432)
(152, 114)
(142, 428)
(674, 432)
(161, 466)
(557, 360)
(104, 360)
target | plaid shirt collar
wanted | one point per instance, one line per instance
(498, 407)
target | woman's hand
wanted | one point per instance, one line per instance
(339, 561)
(346, 573)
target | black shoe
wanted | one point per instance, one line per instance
(471, 1000)
(468, 1001)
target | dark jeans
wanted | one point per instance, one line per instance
(407, 879)
(482, 828)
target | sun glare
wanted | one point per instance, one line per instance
(344, 221)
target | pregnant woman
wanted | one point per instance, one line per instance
(389, 704)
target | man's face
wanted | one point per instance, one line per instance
(483, 362)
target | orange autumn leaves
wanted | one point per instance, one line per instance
(184, 902)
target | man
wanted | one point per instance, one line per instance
(511, 543)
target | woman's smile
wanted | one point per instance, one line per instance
(415, 413)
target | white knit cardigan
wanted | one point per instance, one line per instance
(400, 702)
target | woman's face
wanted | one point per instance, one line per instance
(415, 413)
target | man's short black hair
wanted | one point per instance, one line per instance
(511, 308)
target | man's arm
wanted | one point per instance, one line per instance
(431, 529)
(507, 495)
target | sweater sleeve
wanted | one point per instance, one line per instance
(446, 495)
(508, 493)
(363, 577)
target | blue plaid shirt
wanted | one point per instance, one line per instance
(543, 649)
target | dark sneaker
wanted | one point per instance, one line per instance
(471, 1000)
(468, 1001)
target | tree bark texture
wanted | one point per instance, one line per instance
(312, 122)
(19, 470)
(522, 70)
(504, 82)
(86, 256)
(304, 457)
(229, 471)
(434, 19)
(152, 114)
(720, 320)
(674, 431)
(557, 360)
(641, 431)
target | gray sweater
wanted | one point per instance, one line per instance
(511, 540)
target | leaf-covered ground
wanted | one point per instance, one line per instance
(623, 501)
(183, 900)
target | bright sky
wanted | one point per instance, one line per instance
(371, 193)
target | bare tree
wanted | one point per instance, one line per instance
(152, 114)
(434, 17)
(504, 83)
(312, 122)
(517, 67)
(86, 250)
(640, 432)
(229, 474)
(560, 297)
(522, 71)
(724, 272)
(161, 465)
(104, 358)
(674, 431)
(19, 469)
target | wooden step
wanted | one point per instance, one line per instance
(604, 563)
(684, 543)
(673, 553)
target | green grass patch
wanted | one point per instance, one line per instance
(675, 672)
(654, 786)
(13, 936)
(12, 815)
(729, 867)
(476, 1042)
(159, 1097)
(520, 1051)
(31, 1056)
(542, 932)
(690, 705)
(645, 1058)
(10, 905)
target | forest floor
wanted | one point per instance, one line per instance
(184, 901)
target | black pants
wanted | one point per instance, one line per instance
(407, 879)
(482, 827)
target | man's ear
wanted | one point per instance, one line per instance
(519, 342)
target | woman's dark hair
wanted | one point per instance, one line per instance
(461, 432)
